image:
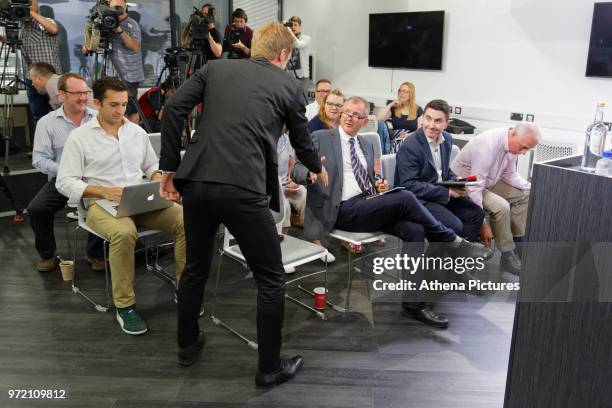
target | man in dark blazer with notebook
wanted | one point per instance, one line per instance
(423, 160)
(344, 203)
(229, 175)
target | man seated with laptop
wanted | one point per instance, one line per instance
(106, 159)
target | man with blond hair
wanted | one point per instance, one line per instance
(228, 173)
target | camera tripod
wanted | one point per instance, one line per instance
(9, 87)
(108, 61)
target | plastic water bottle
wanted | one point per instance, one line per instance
(604, 165)
(595, 140)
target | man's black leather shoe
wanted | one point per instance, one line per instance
(427, 316)
(472, 250)
(510, 262)
(189, 354)
(288, 369)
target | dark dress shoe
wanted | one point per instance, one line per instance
(427, 316)
(510, 262)
(188, 355)
(288, 369)
(472, 250)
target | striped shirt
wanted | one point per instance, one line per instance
(129, 63)
(40, 45)
(51, 134)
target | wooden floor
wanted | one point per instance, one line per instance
(50, 338)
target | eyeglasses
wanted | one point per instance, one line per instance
(323, 91)
(334, 105)
(354, 115)
(79, 94)
(403, 91)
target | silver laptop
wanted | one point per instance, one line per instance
(136, 199)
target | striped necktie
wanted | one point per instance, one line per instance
(360, 173)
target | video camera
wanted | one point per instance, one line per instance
(101, 24)
(233, 36)
(288, 24)
(175, 56)
(14, 10)
(198, 24)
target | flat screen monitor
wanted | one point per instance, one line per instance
(406, 40)
(599, 61)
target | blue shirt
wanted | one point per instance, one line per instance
(51, 134)
(129, 62)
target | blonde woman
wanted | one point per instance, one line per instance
(404, 113)
(329, 113)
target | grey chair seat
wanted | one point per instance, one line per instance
(357, 238)
(294, 251)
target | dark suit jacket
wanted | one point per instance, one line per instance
(416, 171)
(322, 204)
(246, 102)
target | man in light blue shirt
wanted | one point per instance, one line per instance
(51, 133)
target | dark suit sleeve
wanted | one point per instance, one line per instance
(299, 136)
(299, 174)
(176, 110)
(409, 164)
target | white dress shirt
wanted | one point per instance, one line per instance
(487, 157)
(434, 147)
(312, 110)
(93, 157)
(350, 187)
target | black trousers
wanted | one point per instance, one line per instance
(41, 212)
(461, 215)
(247, 216)
(400, 214)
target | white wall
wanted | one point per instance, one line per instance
(500, 56)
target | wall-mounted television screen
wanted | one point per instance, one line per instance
(599, 61)
(406, 40)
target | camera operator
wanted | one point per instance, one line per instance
(212, 47)
(238, 36)
(299, 56)
(40, 42)
(152, 102)
(126, 49)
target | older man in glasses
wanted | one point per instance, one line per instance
(349, 202)
(51, 133)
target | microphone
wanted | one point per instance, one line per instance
(468, 178)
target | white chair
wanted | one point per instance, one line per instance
(373, 138)
(155, 139)
(547, 150)
(142, 234)
(294, 251)
(454, 153)
(388, 168)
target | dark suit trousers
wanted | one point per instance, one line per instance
(41, 212)
(400, 214)
(247, 216)
(461, 215)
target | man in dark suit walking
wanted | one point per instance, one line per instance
(423, 159)
(343, 204)
(226, 176)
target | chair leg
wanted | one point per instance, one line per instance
(350, 282)
(97, 306)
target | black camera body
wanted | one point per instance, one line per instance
(198, 24)
(175, 56)
(233, 36)
(288, 24)
(104, 17)
(15, 10)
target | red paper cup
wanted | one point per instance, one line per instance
(319, 298)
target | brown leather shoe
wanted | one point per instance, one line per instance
(296, 221)
(46, 265)
(356, 249)
(95, 263)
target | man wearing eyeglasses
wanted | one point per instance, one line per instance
(344, 204)
(322, 88)
(52, 131)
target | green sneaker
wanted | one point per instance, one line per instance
(130, 321)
